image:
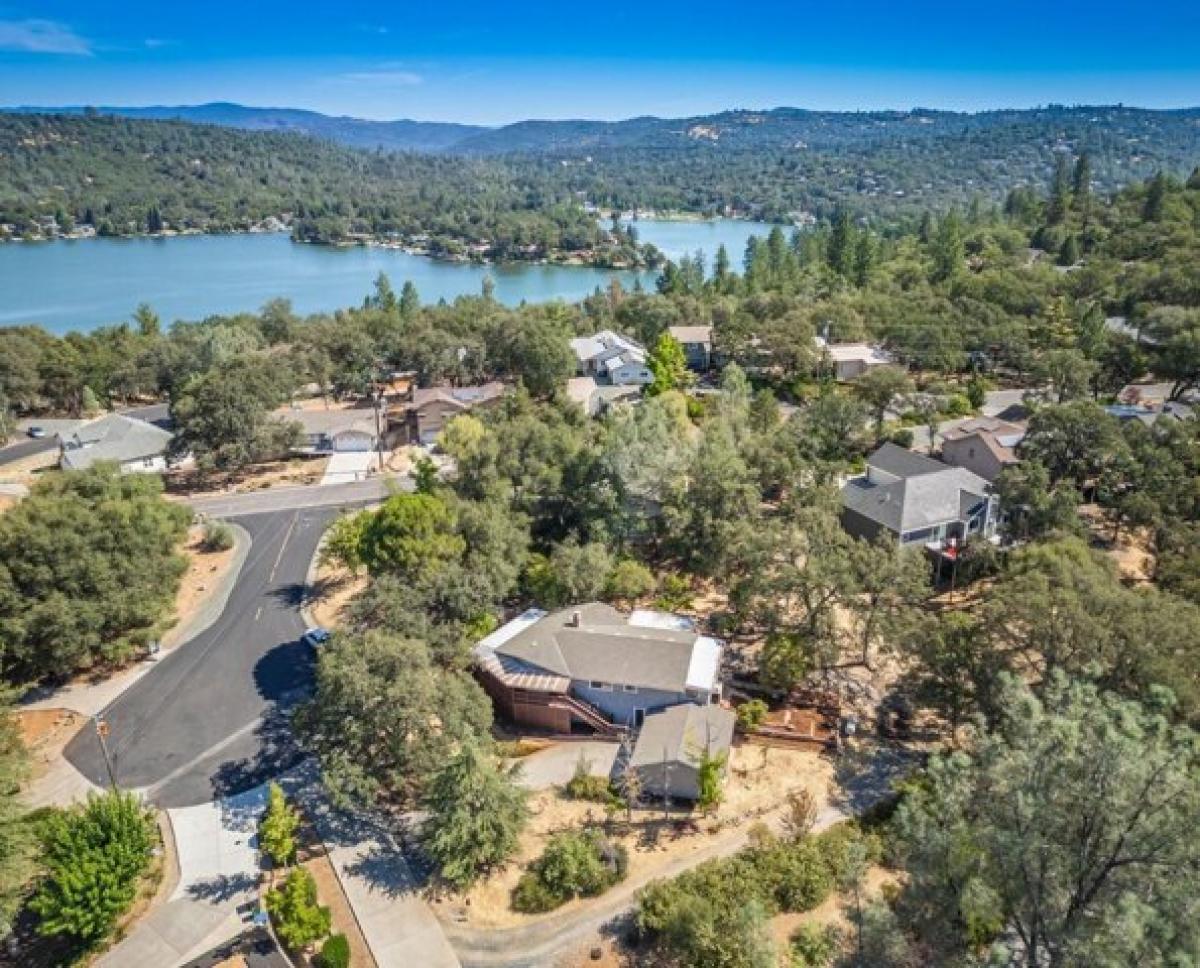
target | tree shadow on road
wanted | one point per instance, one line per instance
(284, 675)
(291, 594)
(223, 887)
(277, 752)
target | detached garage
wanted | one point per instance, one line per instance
(670, 746)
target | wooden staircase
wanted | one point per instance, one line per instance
(588, 714)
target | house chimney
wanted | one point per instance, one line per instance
(576, 618)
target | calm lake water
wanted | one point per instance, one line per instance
(79, 285)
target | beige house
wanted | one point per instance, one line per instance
(984, 446)
(431, 408)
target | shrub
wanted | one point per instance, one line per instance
(574, 864)
(94, 856)
(674, 593)
(298, 919)
(584, 785)
(959, 405)
(629, 580)
(902, 437)
(796, 873)
(335, 952)
(218, 536)
(813, 946)
(751, 715)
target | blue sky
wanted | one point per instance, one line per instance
(482, 63)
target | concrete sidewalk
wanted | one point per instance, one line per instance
(399, 927)
(218, 880)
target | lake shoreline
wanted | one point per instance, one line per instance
(78, 288)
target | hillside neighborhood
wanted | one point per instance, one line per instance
(787, 616)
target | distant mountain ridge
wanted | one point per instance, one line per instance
(782, 128)
(400, 135)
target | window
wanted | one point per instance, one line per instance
(602, 686)
(629, 688)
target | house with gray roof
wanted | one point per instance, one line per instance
(917, 500)
(612, 359)
(135, 445)
(671, 745)
(334, 430)
(592, 667)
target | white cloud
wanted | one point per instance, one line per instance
(42, 37)
(384, 77)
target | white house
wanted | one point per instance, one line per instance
(611, 358)
(137, 446)
(850, 360)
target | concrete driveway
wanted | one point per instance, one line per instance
(350, 466)
(555, 765)
(209, 720)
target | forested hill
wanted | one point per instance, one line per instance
(772, 164)
(120, 176)
(123, 176)
(400, 135)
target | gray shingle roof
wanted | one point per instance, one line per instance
(604, 647)
(682, 733)
(926, 493)
(114, 437)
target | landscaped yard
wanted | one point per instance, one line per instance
(757, 785)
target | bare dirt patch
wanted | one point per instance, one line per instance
(758, 783)
(294, 471)
(1130, 552)
(45, 732)
(329, 890)
(205, 571)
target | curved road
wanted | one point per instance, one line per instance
(208, 719)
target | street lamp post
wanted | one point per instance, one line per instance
(102, 732)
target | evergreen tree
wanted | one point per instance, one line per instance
(17, 847)
(278, 827)
(410, 301)
(864, 259)
(669, 365)
(948, 250)
(298, 917)
(1081, 182)
(840, 250)
(476, 813)
(1060, 191)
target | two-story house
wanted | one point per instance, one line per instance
(611, 358)
(697, 346)
(983, 445)
(917, 500)
(591, 667)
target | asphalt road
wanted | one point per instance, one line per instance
(292, 498)
(209, 719)
(26, 448)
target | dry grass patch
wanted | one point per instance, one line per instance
(757, 785)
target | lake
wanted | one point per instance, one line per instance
(83, 284)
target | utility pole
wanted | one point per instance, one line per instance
(666, 785)
(102, 731)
